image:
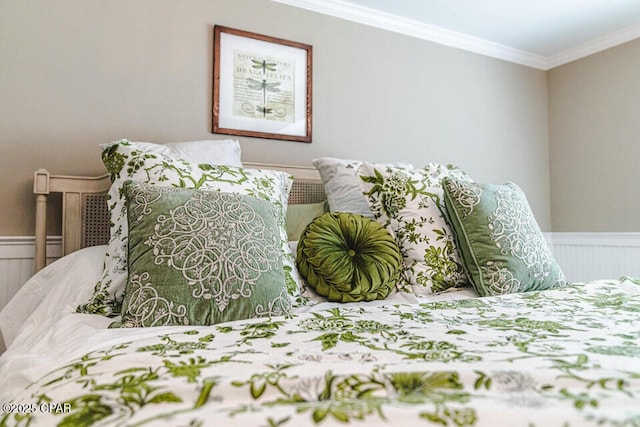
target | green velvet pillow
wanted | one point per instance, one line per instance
(299, 216)
(502, 247)
(346, 257)
(200, 257)
(126, 160)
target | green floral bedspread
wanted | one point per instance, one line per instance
(564, 357)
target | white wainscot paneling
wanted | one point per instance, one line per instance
(16, 262)
(582, 256)
(16, 265)
(593, 256)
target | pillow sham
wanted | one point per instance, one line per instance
(200, 257)
(346, 257)
(408, 203)
(502, 247)
(340, 180)
(126, 161)
(299, 216)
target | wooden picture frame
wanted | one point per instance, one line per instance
(262, 86)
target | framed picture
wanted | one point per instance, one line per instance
(261, 86)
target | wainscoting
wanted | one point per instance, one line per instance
(16, 262)
(591, 256)
(582, 256)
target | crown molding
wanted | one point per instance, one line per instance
(410, 27)
(386, 21)
(596, 45)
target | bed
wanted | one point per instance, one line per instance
(563, 356)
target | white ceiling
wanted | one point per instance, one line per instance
(538, 33)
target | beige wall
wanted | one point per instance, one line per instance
(594, 134)
(77, 73)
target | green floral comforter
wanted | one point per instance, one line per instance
(564, 357)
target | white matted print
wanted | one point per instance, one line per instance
(262, 86)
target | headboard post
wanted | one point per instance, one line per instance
(41, 190)
(74, 190)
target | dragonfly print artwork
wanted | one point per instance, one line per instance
(263, 85)
(266, 87)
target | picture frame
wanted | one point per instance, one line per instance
(262, 86)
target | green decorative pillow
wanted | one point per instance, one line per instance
(408, 203)
(127, 161)
(502, 247)
(200, 258)
(299, 216)
(346, 257)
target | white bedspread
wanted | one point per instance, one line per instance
(40, 325)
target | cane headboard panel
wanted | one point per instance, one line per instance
(85, 217)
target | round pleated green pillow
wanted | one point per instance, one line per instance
(347, 258)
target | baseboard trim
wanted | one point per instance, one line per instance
(23, 247)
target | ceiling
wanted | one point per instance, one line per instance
(538, 33)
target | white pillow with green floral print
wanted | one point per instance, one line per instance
(409, 204)
(126, 161)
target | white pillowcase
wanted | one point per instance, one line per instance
(213, 152)
(341, 184)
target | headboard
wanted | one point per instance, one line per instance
(85, 216)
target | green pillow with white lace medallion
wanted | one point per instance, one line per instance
(200, 258)
(408, 203)
(126, 161)
(502, 246)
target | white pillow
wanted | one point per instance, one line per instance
(213, 152)
(341, 184)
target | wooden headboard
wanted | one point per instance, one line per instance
(85, 216)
